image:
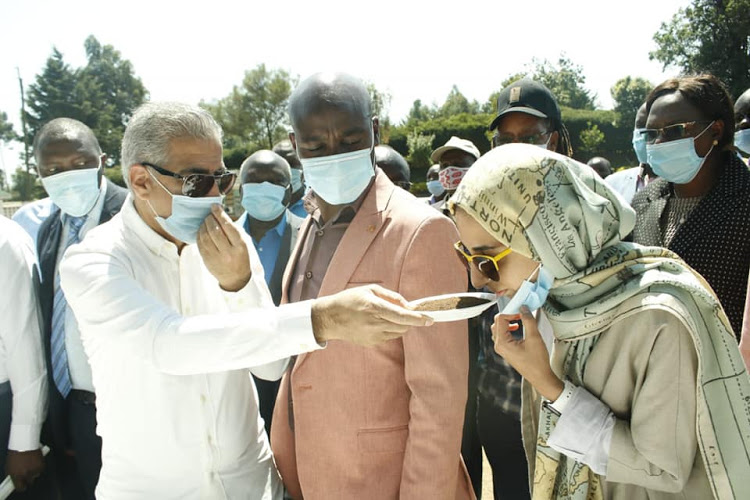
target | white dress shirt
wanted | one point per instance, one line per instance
(78, 362)
(21, 355)
(176, 407)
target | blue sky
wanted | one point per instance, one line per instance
(413, 50)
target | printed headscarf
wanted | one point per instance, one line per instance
(557, 211)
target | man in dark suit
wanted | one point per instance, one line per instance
(70, 163)
(266, 191)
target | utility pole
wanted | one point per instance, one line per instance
(23, 122)
(23, 127)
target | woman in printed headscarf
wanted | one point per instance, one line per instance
(645, 394)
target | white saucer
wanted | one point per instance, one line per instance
(457, 314)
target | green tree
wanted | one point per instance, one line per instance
(456, 103)
(108, 93)
(26, 186)
(52, 95)
(418, 113)
(420, 148)
(254, 114)
(591, 140)
(629, 94)
(566, 81)
(103, 94)
(7, 133)
(709, 36)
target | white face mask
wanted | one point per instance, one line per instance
(187, 214)
(339, 179)
(74, 191)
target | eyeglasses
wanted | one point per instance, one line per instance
(484, 263)
(671, 132)
(199, 185)
(535, 139)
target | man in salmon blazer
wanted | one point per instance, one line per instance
(380, 422)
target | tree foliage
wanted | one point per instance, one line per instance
(709, 36)
(591, 140)
(102, 94)
(420, 149)
(254, 114)
(7, 133)
(26, 186)
(629, 94)
(566, 81)
(456, 103)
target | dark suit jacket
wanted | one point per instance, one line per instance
(48, 243)
(715, 238)
(288, 240)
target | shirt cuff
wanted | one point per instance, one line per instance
(24, 437)
(295, 323)
(584, 431)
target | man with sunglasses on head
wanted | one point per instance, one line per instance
(266, 190)
(700, 206)
(174, 309)
(70, 164)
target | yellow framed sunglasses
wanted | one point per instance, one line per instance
(482, 262)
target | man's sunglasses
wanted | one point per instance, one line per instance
(534, 139)
(484, 263)
(671, 132)
(199, 185)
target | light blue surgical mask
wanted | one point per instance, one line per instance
(339, 179)
(435, 187)
(74, 191)
(187, 214)
(676, 161)
(639, 145)
(263, 201)
(297, 183)
(742, 140)
(530, 294)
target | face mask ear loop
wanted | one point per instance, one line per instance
(148, 202)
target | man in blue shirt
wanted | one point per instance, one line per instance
(266, 191)
(297, 202)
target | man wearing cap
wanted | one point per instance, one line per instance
(454, 157)
(528, 112)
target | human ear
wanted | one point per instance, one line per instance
(140, 182)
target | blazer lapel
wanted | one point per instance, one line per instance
(294, 259)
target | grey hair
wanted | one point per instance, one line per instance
(154, 124)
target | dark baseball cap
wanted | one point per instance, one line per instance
(527, 96)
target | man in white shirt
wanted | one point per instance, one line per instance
(23, 378)
(70, 163)
(173, 309)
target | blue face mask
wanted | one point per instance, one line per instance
(263, 201)
(339, 179)
(187, 214)
(435, 187)
(676, 161)
(530, 294)
(74, 191)
(639, 145)
(742, 140)
(297, 183)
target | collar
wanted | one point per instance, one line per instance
(346, 213)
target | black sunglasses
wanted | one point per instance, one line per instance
(199, 185)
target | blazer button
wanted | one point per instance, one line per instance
(319, 232)
(308, 275)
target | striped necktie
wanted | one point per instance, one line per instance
(60, 373)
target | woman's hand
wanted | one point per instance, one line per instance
(529, 355)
